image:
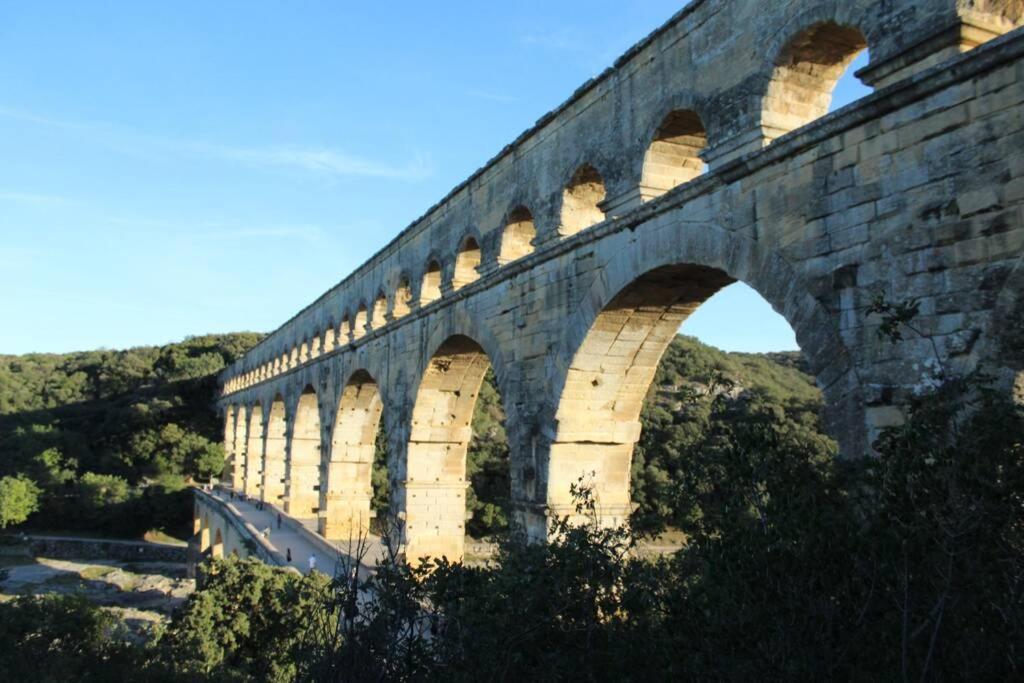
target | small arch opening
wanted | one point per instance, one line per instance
(330, 338)
(673, 157)
(345, 330)
(380, 311)
(359, 322)
(467, 261)
(403, 299)
(430, 290)
(517, 238)
(805, 75)
(581, 200)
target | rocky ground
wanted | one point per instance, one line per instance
(142, 593)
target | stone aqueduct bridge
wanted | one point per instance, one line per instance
(568, 262)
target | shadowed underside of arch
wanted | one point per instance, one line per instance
(598, 416)
(345, 500)
(441, 428)
(806, 73)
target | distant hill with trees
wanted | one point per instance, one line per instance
(109, 438)
(102, 441)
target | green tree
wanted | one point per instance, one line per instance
(95, 491)
(248, 622)
(19, 498)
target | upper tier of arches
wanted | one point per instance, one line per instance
(668, 111)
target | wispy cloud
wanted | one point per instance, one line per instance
(565, 39)
(324, 161)
(33, 198)
(321, 160)
(306, 233)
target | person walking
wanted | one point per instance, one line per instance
(288, 554)
(312, 562)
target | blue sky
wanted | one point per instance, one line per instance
(179, 168)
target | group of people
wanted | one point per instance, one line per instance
(245, 499)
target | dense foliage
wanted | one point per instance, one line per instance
(58, 638)
(250, 621)
(905, 566)
(111, 437)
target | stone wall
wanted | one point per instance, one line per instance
(569, 261)
(100, 549)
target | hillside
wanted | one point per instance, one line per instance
(102, 433)
(107, 435)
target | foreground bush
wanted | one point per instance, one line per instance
(57, 638)
(909, 565)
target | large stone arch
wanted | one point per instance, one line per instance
(230, 473)
(275, 452)
(252, 481)
(430, 492)
(346, 491)
(302, 478)
(617, 334)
